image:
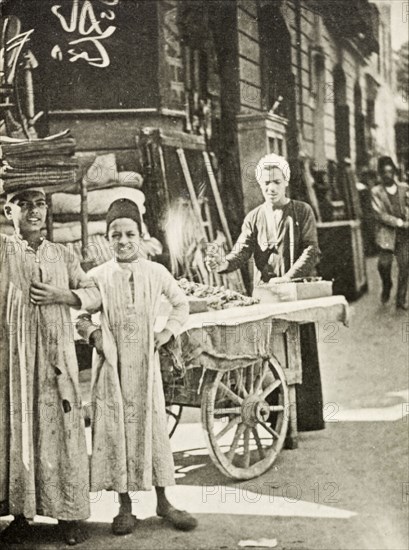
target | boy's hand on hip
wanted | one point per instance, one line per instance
(96, 340)
(162, 337)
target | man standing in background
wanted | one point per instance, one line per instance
(391, 208)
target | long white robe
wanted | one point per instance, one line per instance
(43, 456)
(131, 449)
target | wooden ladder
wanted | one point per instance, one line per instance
(200, 208)
(204, 217)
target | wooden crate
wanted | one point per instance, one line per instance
(342, 257)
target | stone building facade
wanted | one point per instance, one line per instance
(308, 79)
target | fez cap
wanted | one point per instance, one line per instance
(124, 208)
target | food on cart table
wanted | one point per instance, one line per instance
(216, 297)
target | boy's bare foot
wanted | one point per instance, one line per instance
(74, 532)
(17, 531)
(124, 523)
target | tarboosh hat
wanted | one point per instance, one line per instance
(124, 208)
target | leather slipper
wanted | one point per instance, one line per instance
(179, 519)
(124, 524)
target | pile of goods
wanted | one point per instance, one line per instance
(213, 297)
(50, 162)
(47, 162)
(105, 182)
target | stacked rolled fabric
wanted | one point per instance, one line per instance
(104, 185)
(50, 163)
(47, 163)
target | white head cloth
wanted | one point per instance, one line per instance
(270, 160)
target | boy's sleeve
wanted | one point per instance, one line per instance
(83, 286)
(244, 247)
(177, 298)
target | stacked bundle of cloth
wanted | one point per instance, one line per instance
(51, 163)
(48, 162)
(104, 185)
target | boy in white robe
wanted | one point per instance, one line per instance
(43, 456)
(131, 448)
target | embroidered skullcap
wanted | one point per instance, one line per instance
(124, 208)
(271, 160)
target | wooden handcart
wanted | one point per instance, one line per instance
(242, 367)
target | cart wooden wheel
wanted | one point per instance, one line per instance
(245, 417)
(174, 413)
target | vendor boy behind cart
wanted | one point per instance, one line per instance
(281, 234)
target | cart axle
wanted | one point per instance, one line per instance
(254, 410)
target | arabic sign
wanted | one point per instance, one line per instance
(89, 24)
(92, 54)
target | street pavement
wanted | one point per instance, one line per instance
(345, 487)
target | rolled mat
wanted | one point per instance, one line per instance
(98, 201)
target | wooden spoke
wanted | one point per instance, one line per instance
(227, 428)
(241, 388)
(246, 448)
(269, 429)
(261, 377)
(273, 386)
(258, 443)
(236, 439)
(231, 394)
(227, 410)
(240, 385)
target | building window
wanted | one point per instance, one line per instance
(341, 111)
(360, 146)
(318, 92)
(276, 73)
